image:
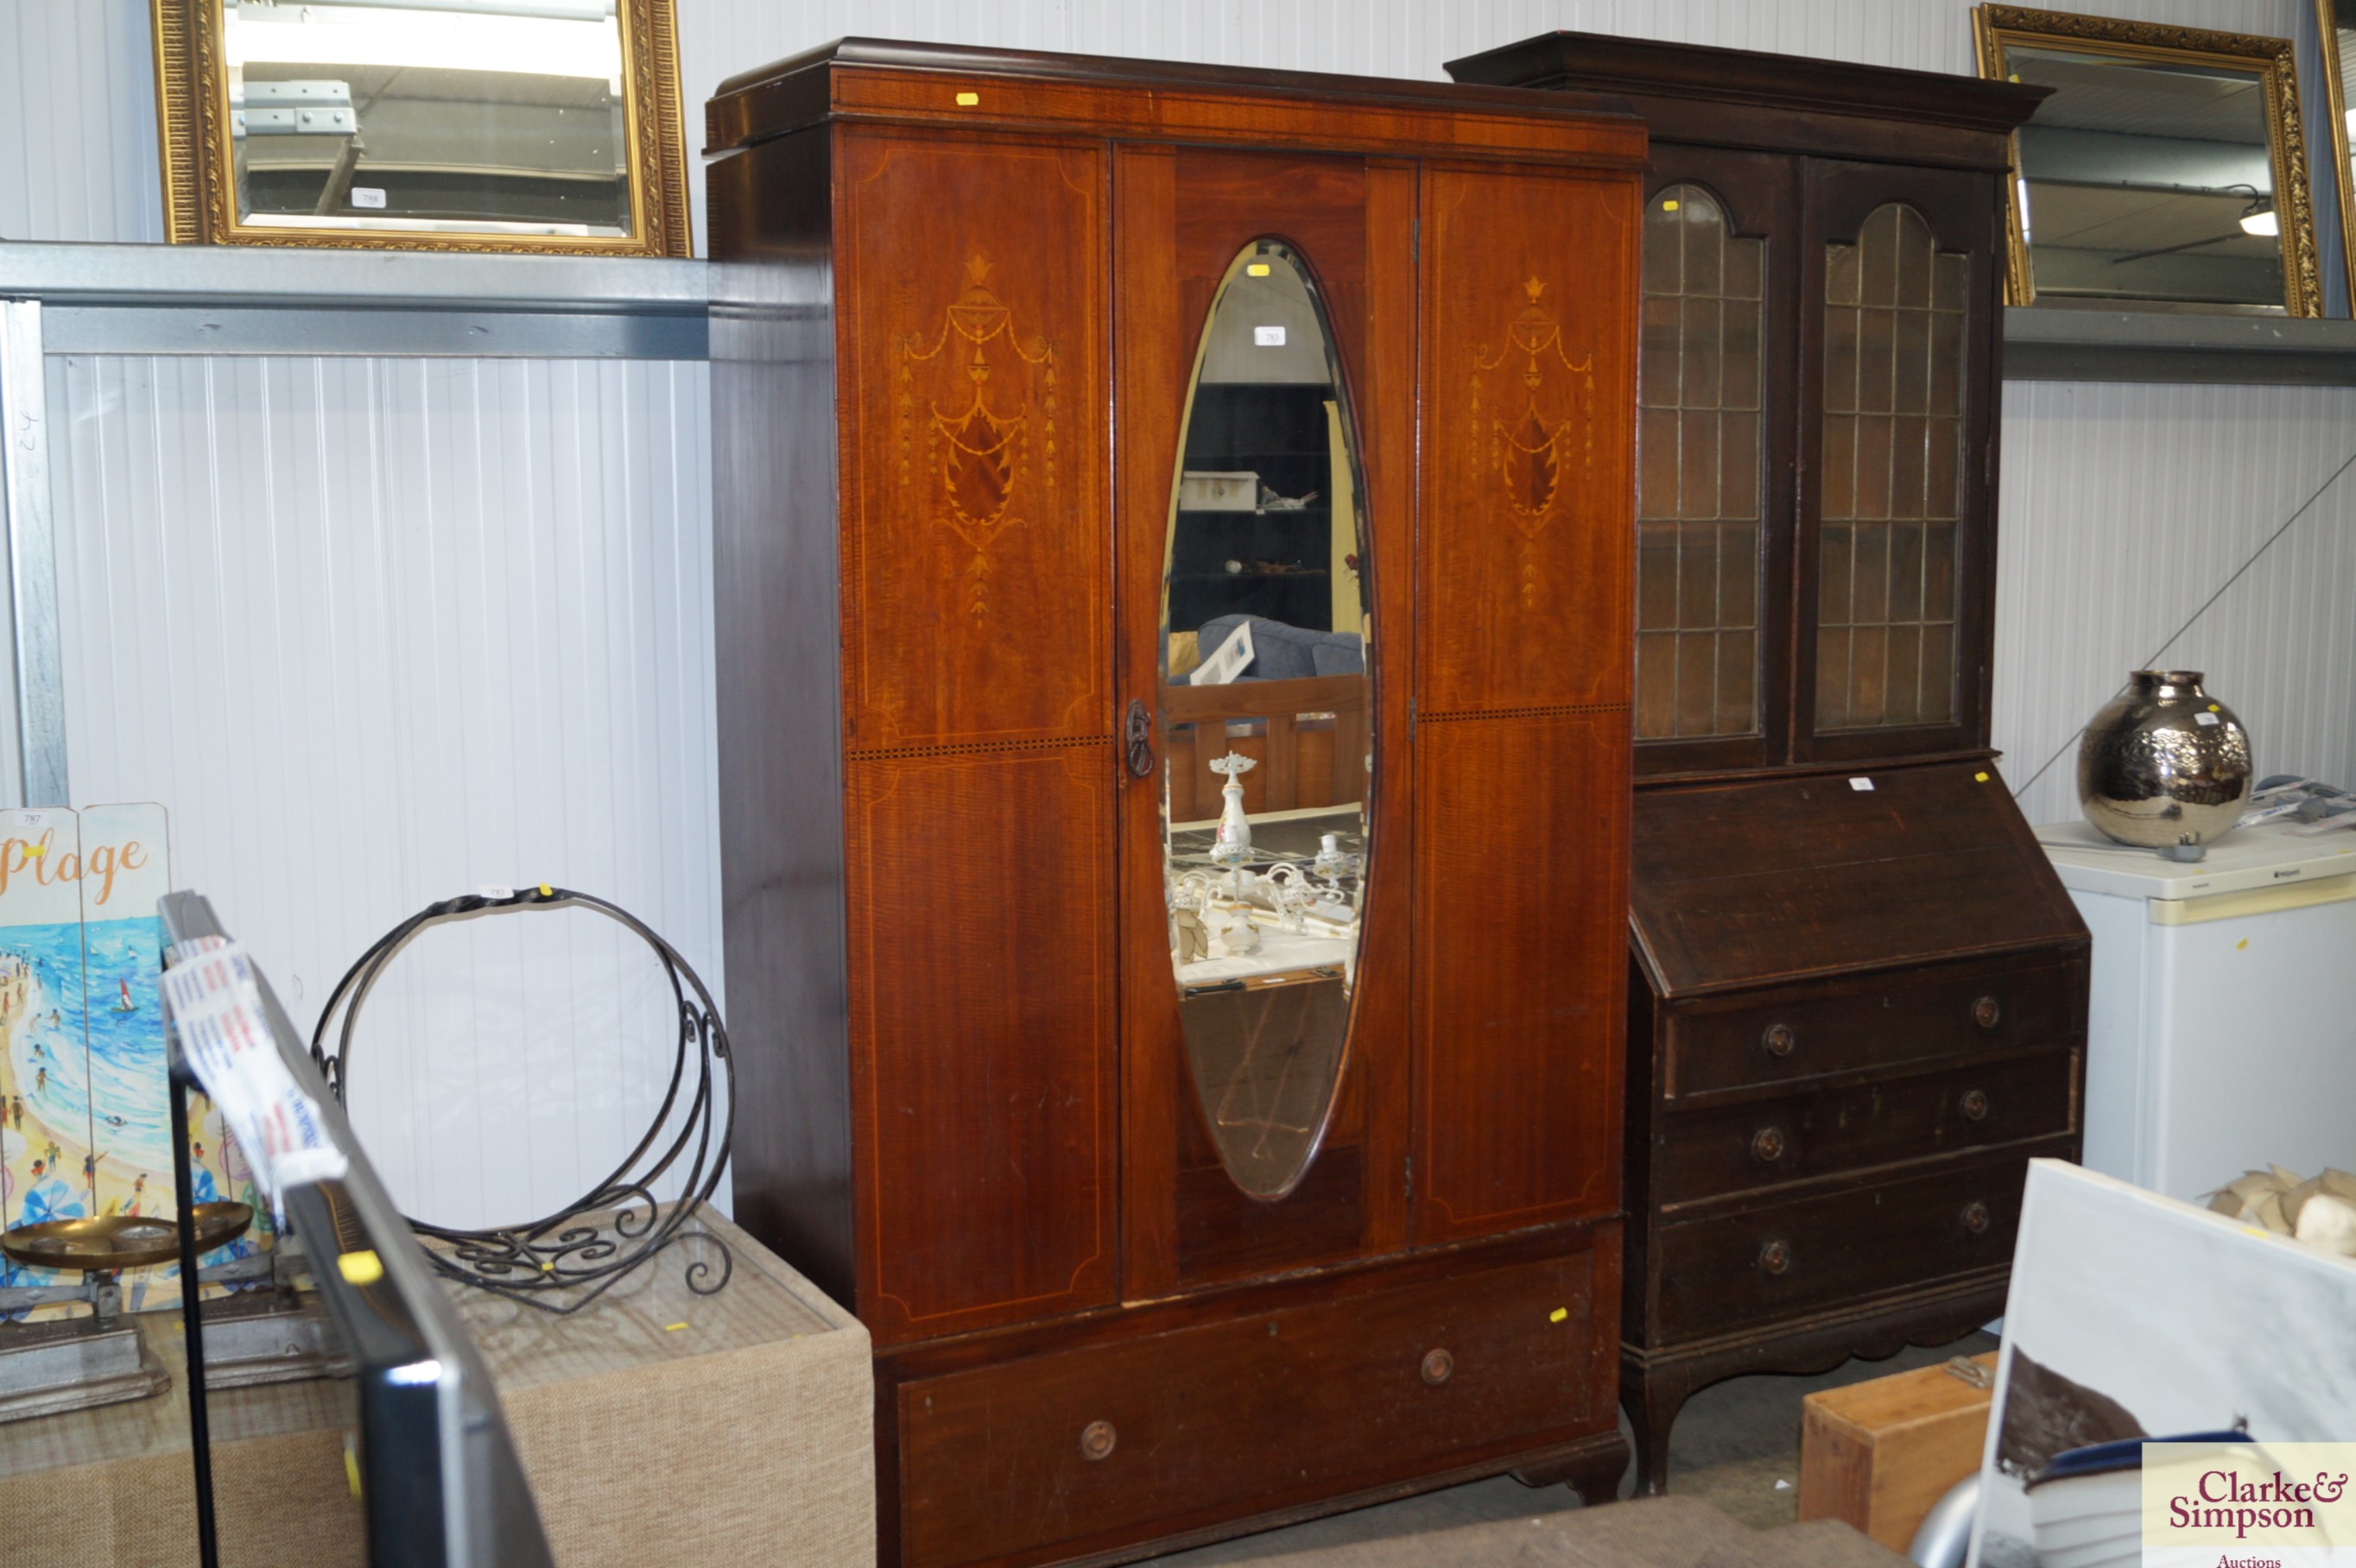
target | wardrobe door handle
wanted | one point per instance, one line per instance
(1138, 733)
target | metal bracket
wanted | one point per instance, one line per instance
(32, 558)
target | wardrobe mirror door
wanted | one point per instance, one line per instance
(1266, 636)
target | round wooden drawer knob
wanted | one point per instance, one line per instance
(1097, 1440)
(1976, 1219)
(1775, 1258)
(1438, 1368)
(1780, 1040)
(1988, 1012)
(1767, 1145)
(1975, 1106)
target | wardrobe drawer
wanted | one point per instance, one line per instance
(1782, 1260)
(1110, 1442)
(1891, 1023)
(1721, 1148)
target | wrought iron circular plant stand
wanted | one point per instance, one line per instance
(562, 1261)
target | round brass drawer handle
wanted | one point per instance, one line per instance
(1975, 1106)
(1775, 1258)
(1988, 1012)
(1767, 1145)
(1780, 1040)
(1097, 1440)
(1438, 1368)
(1976, 1219)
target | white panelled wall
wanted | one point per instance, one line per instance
(378, 631)
(2123, 508)
(455, 615)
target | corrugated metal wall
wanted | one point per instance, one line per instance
(454, 617)
(378, 631)
(2124, 508)
(78, 121)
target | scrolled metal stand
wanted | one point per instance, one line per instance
(562, 1261)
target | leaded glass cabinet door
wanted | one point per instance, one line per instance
(1898, 290)
(1714, 443)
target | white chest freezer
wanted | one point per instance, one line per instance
(2221, 1026)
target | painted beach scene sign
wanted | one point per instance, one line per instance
(85, 1121)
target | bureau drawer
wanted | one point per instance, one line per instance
(1779, 1261)
(1889, 1022)
(1711, 1150)
(1095, 1445)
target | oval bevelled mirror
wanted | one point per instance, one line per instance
(1265, 720)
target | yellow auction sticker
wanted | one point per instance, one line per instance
(2249, 1504)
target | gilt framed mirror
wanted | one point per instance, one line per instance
(2168, 171)
(549, 125)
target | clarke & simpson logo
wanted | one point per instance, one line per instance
(2249, 1504)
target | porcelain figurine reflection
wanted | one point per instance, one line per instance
(1330, 863)
(1233, 846)
(1190, 943)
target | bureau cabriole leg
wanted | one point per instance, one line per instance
(1653, 1396)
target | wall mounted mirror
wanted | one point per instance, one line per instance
(422, 125)
(1265, 720)
(2167, 171)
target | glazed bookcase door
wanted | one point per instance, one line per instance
(1185, 219)
(1899, 276)
(1713, 442)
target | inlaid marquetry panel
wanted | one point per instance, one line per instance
(980, 960)
(1523, 564)
(1893, 416)
(1698, 506)
(975, 544)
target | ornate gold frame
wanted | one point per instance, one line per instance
(2326, 34)
(199, 199)
(1995, 26)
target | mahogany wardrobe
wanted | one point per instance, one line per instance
(1174, 572)
(1858, 1000)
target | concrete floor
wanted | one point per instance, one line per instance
(1736, 1446)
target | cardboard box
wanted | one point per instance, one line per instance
(1878, 1454)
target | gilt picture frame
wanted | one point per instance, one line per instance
(2007, 38)
(202, 123)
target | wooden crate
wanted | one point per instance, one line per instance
(1878, 1454)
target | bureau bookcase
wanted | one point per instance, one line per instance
(1857, 997)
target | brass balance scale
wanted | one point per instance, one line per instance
(80, 1364)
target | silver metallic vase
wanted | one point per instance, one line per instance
(2164, 764)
